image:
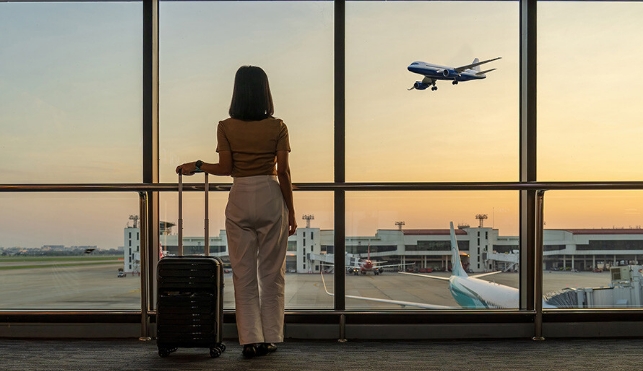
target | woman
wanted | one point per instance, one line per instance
(260, 214)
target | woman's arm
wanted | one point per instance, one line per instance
(223, 167)
(285, 183)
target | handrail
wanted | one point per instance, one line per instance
(349, 186)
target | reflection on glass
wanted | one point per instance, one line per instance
(202, 44)
(308, 249)
(400, 252)
(71, 92)
(463, 132)
(73, 251)
(589, 123)
(593, 249)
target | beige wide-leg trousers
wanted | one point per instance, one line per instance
(257, 230)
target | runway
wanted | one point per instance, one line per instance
(97, 287)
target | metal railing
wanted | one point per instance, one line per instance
(349, 186)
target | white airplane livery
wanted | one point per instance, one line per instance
(434, 72)
(469, 292)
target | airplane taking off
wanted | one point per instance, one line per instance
(468, 291)
(434, 72)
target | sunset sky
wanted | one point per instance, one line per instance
(71, 108)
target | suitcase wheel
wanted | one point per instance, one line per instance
(164, 352)
(217, 350)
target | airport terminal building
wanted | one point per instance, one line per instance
(482, 249)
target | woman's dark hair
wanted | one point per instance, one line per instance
(251, 98)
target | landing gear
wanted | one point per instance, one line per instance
(434, 88)
(455, 82)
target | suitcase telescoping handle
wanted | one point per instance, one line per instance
(206, 222)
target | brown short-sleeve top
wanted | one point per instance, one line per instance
(254, 144)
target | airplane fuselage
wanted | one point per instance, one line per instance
(437, 72)
(470, 292)
(368, 266)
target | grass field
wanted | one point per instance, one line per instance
(35, 262)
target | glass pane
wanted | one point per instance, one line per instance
(463, 132)
(314, 237)
(400, 254)
(69, 251)
(202, 44)
(589, 122)
(70, 92)
(593, 249)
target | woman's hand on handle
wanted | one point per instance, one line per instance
(188, 168)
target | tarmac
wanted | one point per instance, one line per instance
(98, 287)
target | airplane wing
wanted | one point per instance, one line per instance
(483, 72)
(390, 301)
(468, 66)
(392, 265)
(485, 274)
(427, 276)
(403, 304)
(447, 278)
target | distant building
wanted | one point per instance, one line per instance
(53, 248)
(132, 250)
(482, 249)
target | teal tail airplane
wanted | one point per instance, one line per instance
(470, 292)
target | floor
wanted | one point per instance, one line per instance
(548, 355)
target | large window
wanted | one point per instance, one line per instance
(70, 251)
(407, 240)
(72, 107)
(589, 111)
(588, 130)
(70, 92)
(70, 112)
(599, 231)
(202, 44)
(464, 132)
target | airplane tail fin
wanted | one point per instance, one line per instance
(483, 72)
(456, 264)
(476, 68)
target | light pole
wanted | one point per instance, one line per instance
(308, 218)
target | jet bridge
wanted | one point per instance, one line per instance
(624, 291)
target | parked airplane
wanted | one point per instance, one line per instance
(434, 72)
(468, 291)
(367, 265)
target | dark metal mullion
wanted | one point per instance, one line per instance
(150, 136)
(527, 151)
(340, 153)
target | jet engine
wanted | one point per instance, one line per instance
(419, 85)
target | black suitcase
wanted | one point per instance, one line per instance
(190, 297)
